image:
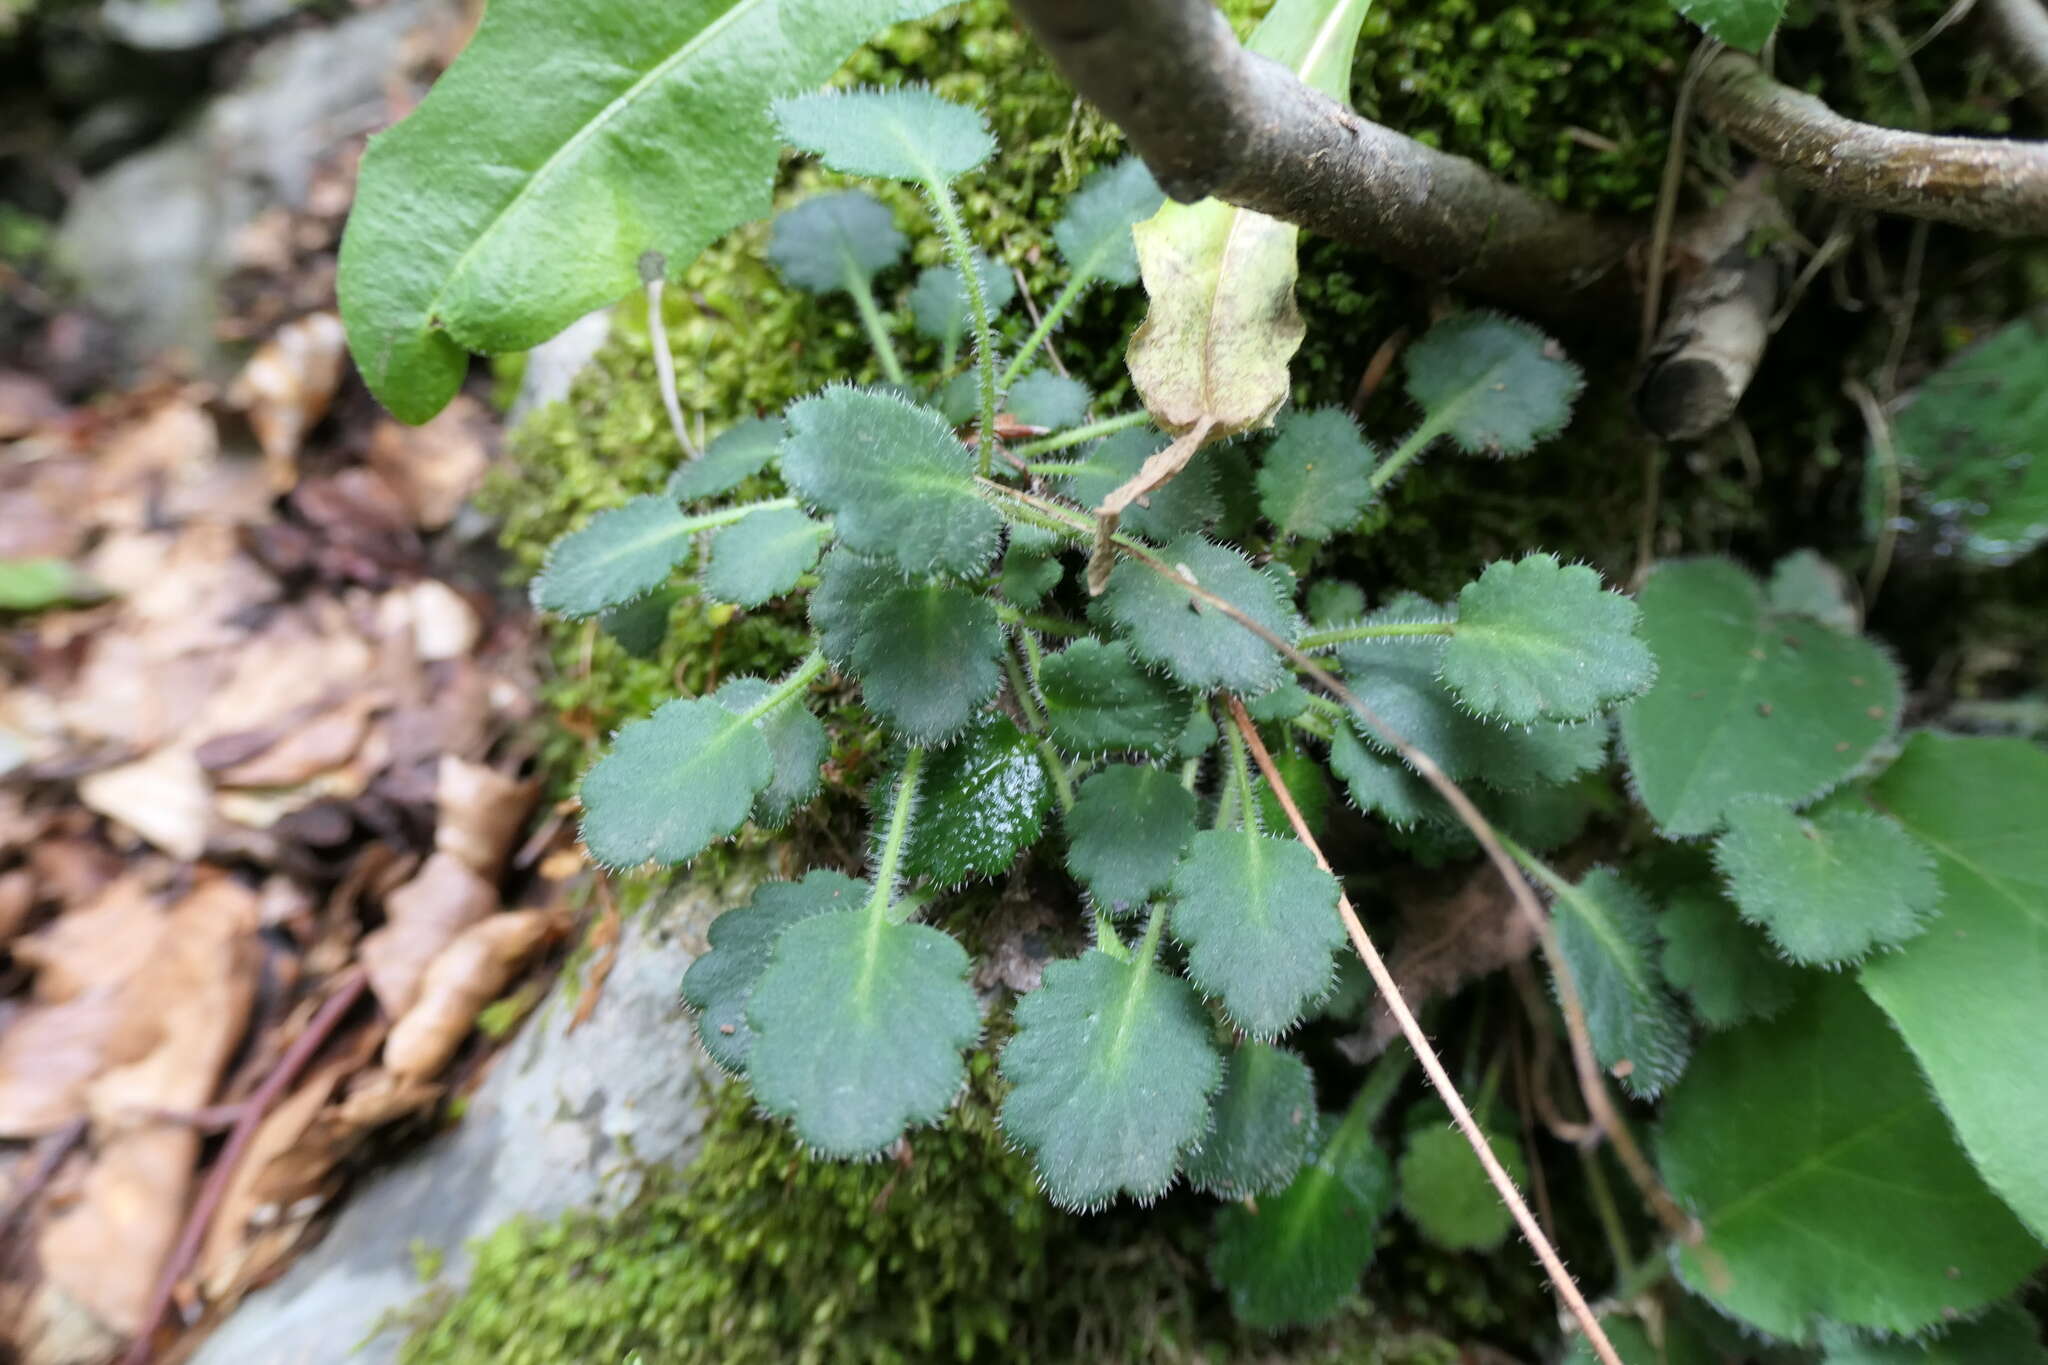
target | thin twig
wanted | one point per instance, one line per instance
(1390, 991)
(665, 368)
(49, 1159)
(1031, 310)
(348, 990)
(1886, 454)
(1667, 196)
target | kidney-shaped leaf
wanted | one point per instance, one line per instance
(762, 557)
(938, 301)
(1264, 1125)
(1313, 478)
(1259, 920)
(1200, 646)
(926, 658)
(981, 802)
(1094, 234)
(1829, 886)
(1540, 640)
(827, 242)
(1097, 700)
(1494, 385)
(906, 133)
(624, 553)
(734, 456)
(1129, 825)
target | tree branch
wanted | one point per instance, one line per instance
(2019, 30)
(1990, 183)
(1212, 119)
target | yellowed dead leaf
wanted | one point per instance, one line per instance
(104, 1251)
(165, 798)
(437, 622)
(325, 740)
(433, 468)
(174, 444)
(99, 944)
(422, 918)
(469, 974)
(17, 902)
(286, 387)
(49, 1055)
(480, 812)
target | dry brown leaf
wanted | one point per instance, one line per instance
(105, 1250)
(293, 664)
(165, 798)
(327, 739)
(49, 1055)
(467, 975)
(433, 468)
(17, 902)
(99, 944)
(435, 621)
(175, 443)
(422, 918)
(481, 813)
(286, 387)
(1446, 941)
(72, 870)
(26, 402)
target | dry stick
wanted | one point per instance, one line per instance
(1888, 461)
(318, 1030)
(1503, 1183)
(50, 1154)
(665, 365)
(1667, 197)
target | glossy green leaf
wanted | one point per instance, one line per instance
(1494, 385)
(1830, 886)
(672, 783)
(1094, 234)
(938, 301)
(1722, 965)
(1541, 640)
(1967, 995)
(796, 741)
(719, 984)
(1097, 700)
(859, 1026)
(906, 133)
(752, 561)
(1110, 1072)
(1201, 647)
(734, 456)
(1126, 833)
(2006, 1335)
(1259, 920)
(1608, 935)
(624, 553)
(1045, 399)
(1745, 24)
(1970, 447)
(927, 658)
(1446, 1194)
(490, 221)
(1313, 478)
(897, 481)
(1294, 1258)
(982, 801)
(826, 243)
(1186, 504)
(1746, 703)
(1804, 584)
(1264, 1125)
(1805, 1146)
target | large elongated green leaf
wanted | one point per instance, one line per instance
(1968, 994)
(2006, 1335)
(1828, 1181)
(1746, 703)
(1222, 325)
(1259, 919)
(1110, 1072)
(553, 155)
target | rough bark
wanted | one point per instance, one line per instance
(1713, 336)
(1212, 119)
(1993, 184)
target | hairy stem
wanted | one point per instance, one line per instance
(1417, 441)
(786, 690)
(946, 210)
(873, 323)
(1390, 990)
(1074, 436)
(898, 834)
(1342, 635)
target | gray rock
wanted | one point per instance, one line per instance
(552, 366)
(148, 240)
(178, 25)
(564, 1120)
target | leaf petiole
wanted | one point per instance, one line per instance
(1340, 635)
(787, 689)
(1433, 425)
(894, 840)
(872, 322)
(1073, 436)
(1076, 285)
(947, 211)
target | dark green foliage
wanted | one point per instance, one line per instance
(1126, 833)
(983, 801)
(1263, 1128)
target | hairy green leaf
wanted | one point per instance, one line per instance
(938, 302)
(1967, 996)
(1312, 481)
(1379, 786)
(734, 456)
(1188, 503)
(825, 243)
(1830, 886)
(1110, 1072)
(2006, 1335)
(1031, 567)
(1970, 447)
(848, 584)
(1721, 964)
(1094, 234)
(490, 222)
(1540, 640)
(906, 133)
(1045, 399)
(1264, 1127)
(641, 624)
(1494, 385)
(1746, 24)
(1608, 935)
(1294, 1258)
(1098, 701)
(897, 481)
(1259, 920)
(1446, 1194)
(762, 557)
(1201, 647)
(672, 783)
(1745, 703)
(624, 553)
(1804, 1146)
(927, 658)
(1804, 584)
(859, 1025)
(719, 983)
(981, 802)
(1331, 600)
(1126, 833)
(797, 742)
